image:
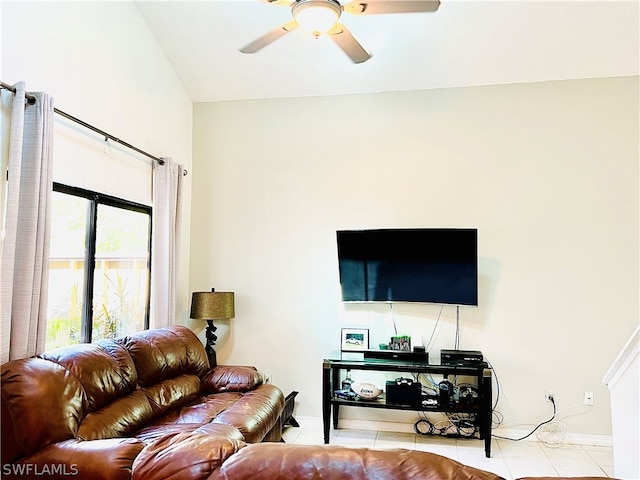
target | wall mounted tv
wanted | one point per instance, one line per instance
(430, 265)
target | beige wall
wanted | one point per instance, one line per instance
(547, 172)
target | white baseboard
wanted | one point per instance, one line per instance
(403, 427)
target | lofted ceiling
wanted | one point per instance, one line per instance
(463, 43)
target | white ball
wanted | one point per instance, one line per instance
(366, 389)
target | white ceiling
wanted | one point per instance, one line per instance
(464, 43)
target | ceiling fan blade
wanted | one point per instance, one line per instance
(270, 36)
(374, 7)
(279, 3)
(349, 45)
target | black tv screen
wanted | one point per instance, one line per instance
(430, 265)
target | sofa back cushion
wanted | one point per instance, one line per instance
(165, 353)
(105, 370)
(169, 362)
(42, 401)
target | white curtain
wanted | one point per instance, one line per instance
(165, 248)
(25, 249)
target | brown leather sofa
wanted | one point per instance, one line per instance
(89, 410)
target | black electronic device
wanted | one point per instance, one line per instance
(403, 391)
(468, 395)
(398, 355)
(460, 357)
(429, 265)
(445, 390)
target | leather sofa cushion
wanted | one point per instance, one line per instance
(105, 370)
(44, 402)
(193, 454)
(226, 378)
(277, 461)
(201, 410)
(165, 353)
(153, 432)
(118, 419)
(172, 393)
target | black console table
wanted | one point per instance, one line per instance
(333, 364)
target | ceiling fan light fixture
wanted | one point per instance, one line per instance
(316, 16)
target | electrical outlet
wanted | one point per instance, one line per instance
(588, 398)
(548, 393)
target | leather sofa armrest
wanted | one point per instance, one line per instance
(231, 378)
(108, 459)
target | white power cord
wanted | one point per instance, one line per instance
(553, 434)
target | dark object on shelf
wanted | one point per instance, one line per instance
(468, 396)
(287, 413)
(404, 391)
(445, 389)
(397, 355)
(460, 357)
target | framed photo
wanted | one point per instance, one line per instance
(354, 339)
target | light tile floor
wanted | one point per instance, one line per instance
(510, 460)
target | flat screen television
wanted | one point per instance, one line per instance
(429, 265)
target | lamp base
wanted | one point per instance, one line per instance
(211, 341)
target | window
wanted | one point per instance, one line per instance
(99, 267)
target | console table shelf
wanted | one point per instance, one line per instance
(333, 364)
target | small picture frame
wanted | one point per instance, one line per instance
(354, 339)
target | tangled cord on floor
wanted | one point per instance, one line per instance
(553, 434)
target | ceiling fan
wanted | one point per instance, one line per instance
(320, 17)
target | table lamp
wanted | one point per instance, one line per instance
(212, 306)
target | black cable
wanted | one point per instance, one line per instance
(496, 419)
(422, 421)
(537, 427)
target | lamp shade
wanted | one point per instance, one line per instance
(212, 305)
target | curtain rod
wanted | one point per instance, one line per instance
(31, 100)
